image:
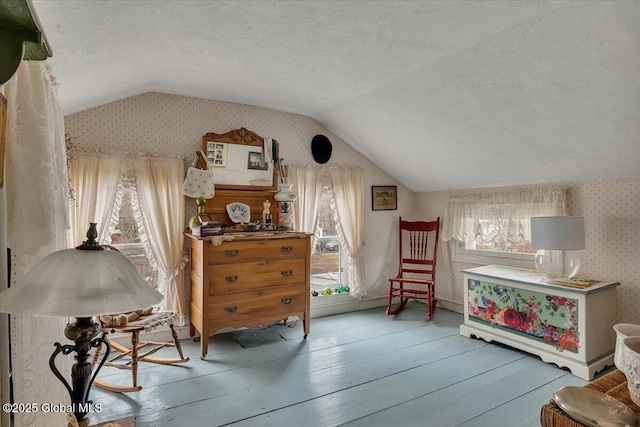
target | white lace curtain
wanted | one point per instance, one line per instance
(99, 180)
(346, 191)
(95, 182)
(507, 207)
(307, 185)
(159, 185)
(348, 185)
(37, 221)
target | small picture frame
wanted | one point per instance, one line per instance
(256, 162)
(205, 219)
(384, 197)
(216, 154)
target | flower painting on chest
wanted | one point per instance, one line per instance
(548, 318)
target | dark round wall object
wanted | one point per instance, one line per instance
(321, 149)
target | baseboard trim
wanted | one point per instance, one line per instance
(454, 306)
(345, 306)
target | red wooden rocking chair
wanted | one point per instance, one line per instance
(418, 259)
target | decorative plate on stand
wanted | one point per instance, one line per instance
(239, 212)
(594, 408)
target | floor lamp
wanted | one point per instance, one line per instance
(80, 283)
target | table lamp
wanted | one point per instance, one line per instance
(557, 238)
(285, 196)
(81, 283)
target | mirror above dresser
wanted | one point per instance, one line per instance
(246, 171)
(242, 160)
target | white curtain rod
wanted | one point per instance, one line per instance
(123, 155)
(338, 167)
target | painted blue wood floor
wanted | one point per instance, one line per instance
(357, 369)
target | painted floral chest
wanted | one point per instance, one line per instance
(569, 323)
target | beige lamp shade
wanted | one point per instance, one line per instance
(79, 283)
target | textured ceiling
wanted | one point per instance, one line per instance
(441, 95)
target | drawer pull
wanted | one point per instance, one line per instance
(260, 293)
(287, 273)
(287, 249)
(231, 309)
(287, 301)
(231, 279)
(232, 252)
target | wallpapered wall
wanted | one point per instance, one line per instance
(173, 125)
(611, 209)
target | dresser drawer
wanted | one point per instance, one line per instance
(225, 278)
(257, 249)
(271, 302)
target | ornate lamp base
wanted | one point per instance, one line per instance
(83, 332)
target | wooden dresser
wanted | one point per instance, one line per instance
(255, 279)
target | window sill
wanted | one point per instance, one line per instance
(321, 300)
(484, 258)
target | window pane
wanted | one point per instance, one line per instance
(326, 223)
(501, 235)
(325, 257)
(126, 238)
(126, 230)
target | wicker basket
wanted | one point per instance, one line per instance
(614, 384)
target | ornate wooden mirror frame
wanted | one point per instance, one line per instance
(245, 138)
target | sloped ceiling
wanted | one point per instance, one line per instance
(440, 94)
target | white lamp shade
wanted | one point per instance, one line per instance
(557, 232)
(79, 283)
(285, 194)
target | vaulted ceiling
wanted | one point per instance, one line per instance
(439, 94)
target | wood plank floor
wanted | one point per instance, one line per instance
(357, 369)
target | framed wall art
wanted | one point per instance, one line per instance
(384, 197)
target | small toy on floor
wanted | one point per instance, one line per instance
(327, 291)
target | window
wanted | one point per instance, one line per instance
(487, 242)
(496, 228)
(126, 237)
(327, 253)
(109, 191)
(341, 191)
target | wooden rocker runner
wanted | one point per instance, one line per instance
(140, 350)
